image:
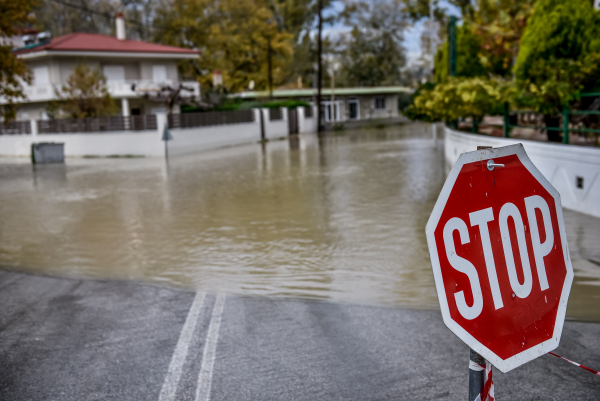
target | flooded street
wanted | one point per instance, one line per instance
(341, 219)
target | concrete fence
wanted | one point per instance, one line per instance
(17, 141)
(275, 127)
(573, 170)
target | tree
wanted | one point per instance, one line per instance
(372, 54)
(298, 17)
(234, 37)
(60, 19)
(558, 58)
(458, 98)
(84, 95)
(13, 71)
(558, 30)
(417, 111)
(468, 56)
(500, 25)
(487, 41)
(96, 16)
(169, 95)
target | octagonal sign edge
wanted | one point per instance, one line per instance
(541, 348)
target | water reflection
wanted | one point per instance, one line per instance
(340, 217)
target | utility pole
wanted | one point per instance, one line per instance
(270, 61)
(452, 46)
(452, 55)
(333, 109)
(432, 49)
(432, 39)
(319, 68)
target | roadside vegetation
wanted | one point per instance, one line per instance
(13, 72)
(536, 55)
(84, 95)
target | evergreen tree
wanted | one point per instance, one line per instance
(559, 57)
(468, 56)
(84, 95)
(373, 54)
(12, 70)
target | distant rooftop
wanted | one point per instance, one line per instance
(377, 90)
(96, 43)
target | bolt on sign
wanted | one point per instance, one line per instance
(500, 258)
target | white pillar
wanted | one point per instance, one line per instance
(267, 122)
(34, 128)
(125, 107)
(161, 122)
(301, 123)
(256, 112)
(125, 112)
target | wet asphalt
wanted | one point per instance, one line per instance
(71, 339)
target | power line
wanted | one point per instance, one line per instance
(98, 13)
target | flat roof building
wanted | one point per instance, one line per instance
(347, 104)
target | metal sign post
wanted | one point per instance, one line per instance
(476, 374)
(166, 138)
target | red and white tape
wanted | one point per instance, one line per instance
(576, 364)
(487, 393)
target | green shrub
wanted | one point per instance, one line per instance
(559, 55)
(458, 98)
(275, 104)
(468, 59)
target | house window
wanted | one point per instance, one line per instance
(114, 73)
(354, 109)
(379, 103)
(159, 73)
(40, 75)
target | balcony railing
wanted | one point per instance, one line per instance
(126, 88)
(46, 92)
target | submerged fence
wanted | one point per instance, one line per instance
(15, 128)
(189, 120)
(99, 124)
(275, 114)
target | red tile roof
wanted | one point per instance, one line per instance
(93, 42)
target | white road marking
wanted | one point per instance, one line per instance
(210, 351)
(169, 387)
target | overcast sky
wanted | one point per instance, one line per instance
(412, 36)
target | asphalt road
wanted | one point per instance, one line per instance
(68, 339)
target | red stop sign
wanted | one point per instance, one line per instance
(500, 257)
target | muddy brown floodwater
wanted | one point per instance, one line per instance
(342, 218)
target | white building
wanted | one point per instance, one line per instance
(124, 63)
(349, 104)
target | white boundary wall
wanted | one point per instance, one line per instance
(560, 164)
(142, 143)
(307, 124)
(137, 143)
(189, 140)
(278, 128)
(149, 143)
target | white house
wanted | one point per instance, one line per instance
(349, 104)
(124, 62)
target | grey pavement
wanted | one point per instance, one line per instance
(70, 339)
